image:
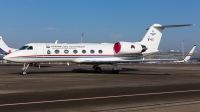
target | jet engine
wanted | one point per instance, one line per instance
(128, 48)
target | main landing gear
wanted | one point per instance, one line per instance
(24, 69)
(115, 69)
(97, 69)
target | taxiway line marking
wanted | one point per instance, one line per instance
(101, 97)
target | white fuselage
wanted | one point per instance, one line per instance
(78, 53)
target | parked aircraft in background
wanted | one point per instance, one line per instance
(187, 58)
(4, 49)
(92, 53)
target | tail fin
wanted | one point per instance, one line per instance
(3, 47)
(153, 36)
(189, 54)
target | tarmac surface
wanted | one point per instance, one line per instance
(137, 88)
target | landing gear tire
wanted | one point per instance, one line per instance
(115, 71)
(98, 70)
(23, 73)
(36, 65)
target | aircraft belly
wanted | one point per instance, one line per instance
(25, 60)
(76, 59)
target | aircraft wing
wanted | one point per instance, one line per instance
(127, 61)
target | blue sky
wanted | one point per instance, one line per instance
(25, 21)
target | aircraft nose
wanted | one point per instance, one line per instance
(7, 57)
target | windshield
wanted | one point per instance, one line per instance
(30, 48)
(24, 47)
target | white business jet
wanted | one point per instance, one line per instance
(92, 53)
(187, 58)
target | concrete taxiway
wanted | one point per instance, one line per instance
(138, 87)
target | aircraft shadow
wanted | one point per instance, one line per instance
(42, 72)
(42, 66)
(155, 74)
(125, 71)
(129, 69)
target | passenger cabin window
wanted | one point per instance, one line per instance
(57, 51)
(75, 51)
(24, 47)
(30, 48)
(92, 51)
(100, 51)
(83, 51)
(66, 51)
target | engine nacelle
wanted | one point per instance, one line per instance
(128, 48)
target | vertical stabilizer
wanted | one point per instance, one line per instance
(187, 58)
(3, 47)
(153, 36)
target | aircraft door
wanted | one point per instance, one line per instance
(39, 53)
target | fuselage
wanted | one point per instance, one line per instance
(78, 53)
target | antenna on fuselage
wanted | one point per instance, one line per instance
(82, 36)
(56, 41)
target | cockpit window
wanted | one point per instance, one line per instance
(24, 47)
(30, 48)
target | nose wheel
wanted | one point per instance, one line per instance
(23, 73)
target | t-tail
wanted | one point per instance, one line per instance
(187, 58)
(153, 36)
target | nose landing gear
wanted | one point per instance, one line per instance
(24, 69)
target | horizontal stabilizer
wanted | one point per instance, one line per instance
(169, 26)
(172, 26)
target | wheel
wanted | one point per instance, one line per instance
(23, 73)
(98, 70)
(115, 71)
(36, 65)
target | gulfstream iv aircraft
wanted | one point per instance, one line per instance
(91, 53)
